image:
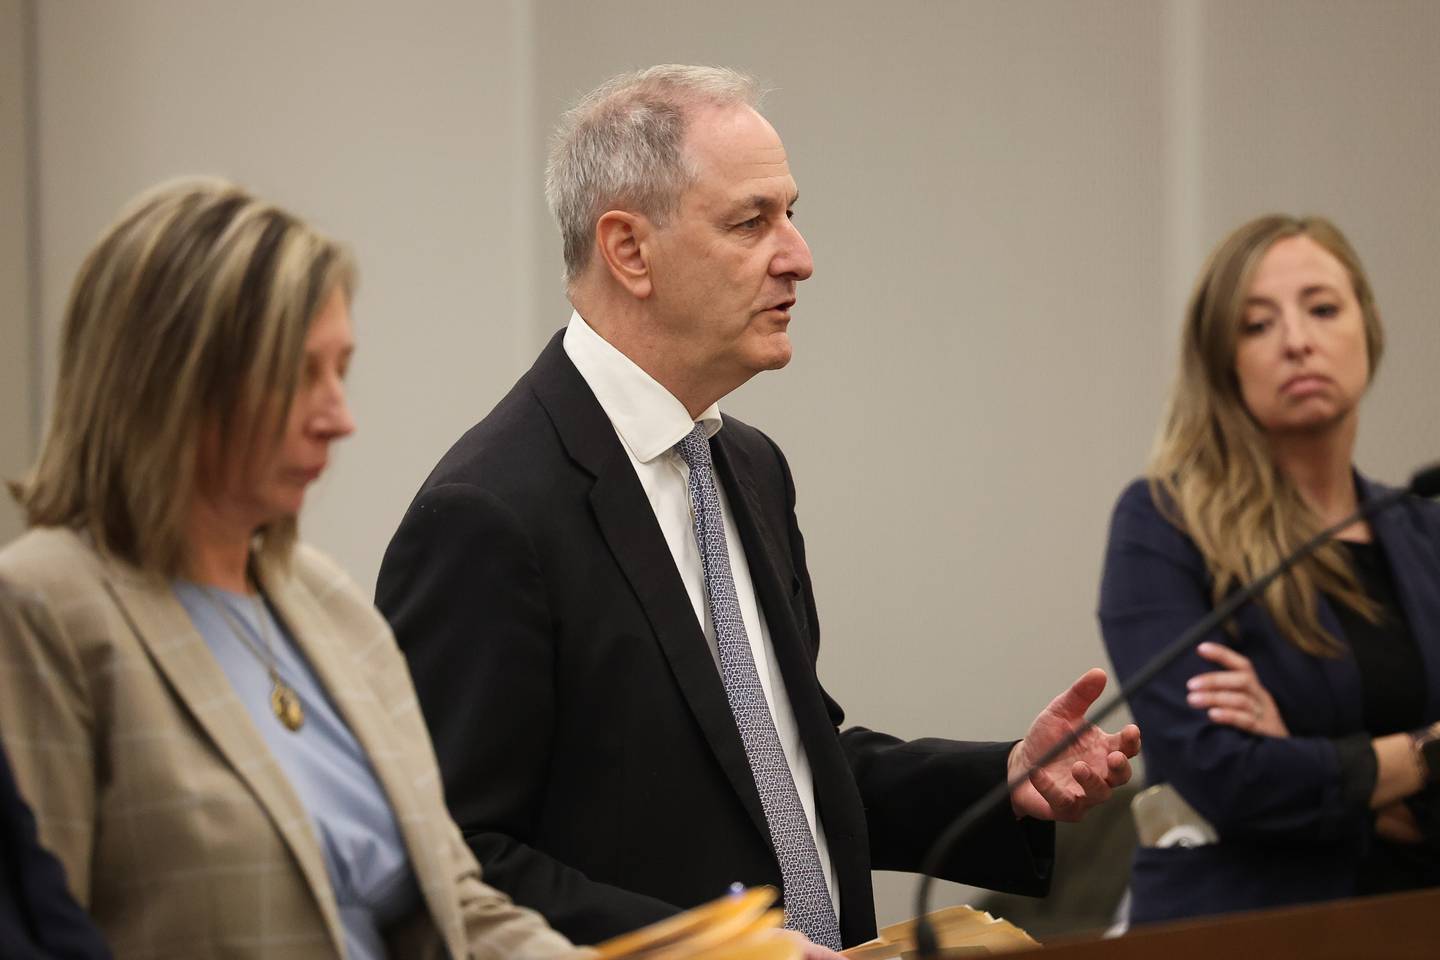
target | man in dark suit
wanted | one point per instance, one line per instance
(603, 594)
(39, 919)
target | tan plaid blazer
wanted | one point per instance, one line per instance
(178, 830)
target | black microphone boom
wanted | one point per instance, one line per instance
(1424, 483)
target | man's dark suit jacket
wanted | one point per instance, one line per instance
(588, 750)
(1289, 831)
(38, 916)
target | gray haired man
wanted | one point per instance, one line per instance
(602, 587)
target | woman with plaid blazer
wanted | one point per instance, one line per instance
(200, 388)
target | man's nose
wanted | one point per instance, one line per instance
(793, 260)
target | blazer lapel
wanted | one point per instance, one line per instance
(315, 633)
(633, 535)
(164, 629)
(775, 583)
(838, 801)
(1416, 567)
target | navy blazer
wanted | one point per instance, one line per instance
(38, 916)
(1288, 833)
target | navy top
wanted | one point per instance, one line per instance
(39, 919)
(1392, 673)
(1294, 826)
(1392, 677)
(365, 854)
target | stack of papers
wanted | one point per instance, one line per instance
(740, 926)
(962, 932)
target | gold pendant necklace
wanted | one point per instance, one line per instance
(284, 700)
(285, 703)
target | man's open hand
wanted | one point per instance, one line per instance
(1085, 773)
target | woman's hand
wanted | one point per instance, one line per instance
(1234, 696)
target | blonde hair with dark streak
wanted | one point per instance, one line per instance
(186, 325)
(1212, 472)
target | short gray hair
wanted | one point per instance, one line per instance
(620, 147)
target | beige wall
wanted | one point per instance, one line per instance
(16, 358)
(1006, 204)
(1332, 107)
(397, 127)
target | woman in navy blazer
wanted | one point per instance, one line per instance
(1303, 749)
(39, 919)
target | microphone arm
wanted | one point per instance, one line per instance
(1425, 483)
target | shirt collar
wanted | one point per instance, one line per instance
(648, 418)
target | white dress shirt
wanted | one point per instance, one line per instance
(650, 421)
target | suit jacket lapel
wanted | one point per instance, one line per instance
(838, 802)
(314, 632)
(774, 582)
(631, 531)
(1416, 567)
(164, 629)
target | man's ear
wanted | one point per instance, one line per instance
(622, 241)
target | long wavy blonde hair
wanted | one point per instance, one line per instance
(189, 316)
(1212, 472)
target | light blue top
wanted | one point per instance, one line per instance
(364, 851)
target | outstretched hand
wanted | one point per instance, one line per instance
(1083, 775)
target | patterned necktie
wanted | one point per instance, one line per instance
(808, 907)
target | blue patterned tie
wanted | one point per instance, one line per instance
(808, 907)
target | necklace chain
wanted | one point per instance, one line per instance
(284, 700)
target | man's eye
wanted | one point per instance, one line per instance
(751, 224)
